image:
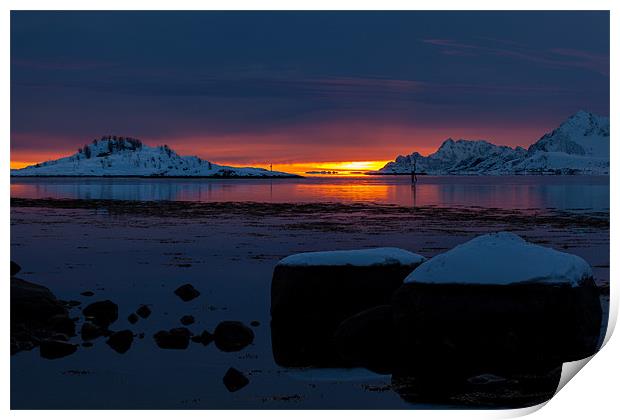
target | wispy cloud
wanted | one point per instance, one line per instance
(555, 57)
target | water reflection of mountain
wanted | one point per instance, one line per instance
(561, 192)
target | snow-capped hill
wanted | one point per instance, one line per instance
(124, 156)
(580, 145)
(457, 156)
(582, 134)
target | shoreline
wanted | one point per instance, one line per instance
(393, 214)
(487, 174)
(162, 177)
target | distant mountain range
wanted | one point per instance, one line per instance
(124, 156)
(580, 145)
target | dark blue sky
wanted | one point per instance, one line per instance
(245, 87)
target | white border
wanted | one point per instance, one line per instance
(593, 394)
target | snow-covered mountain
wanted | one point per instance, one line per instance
(579, 146)
(123, 156)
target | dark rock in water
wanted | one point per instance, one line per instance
(143, 311)
(132, 318)
(496, 304)
(187, 320)
(102, 313)
(15, 268)
(205, 338)
(120, 341)
(232, 336)
(91, 331)
(31, 302)
(176, 338)
(54, 349)
(255, 323)
(483, 391)
(36, 314)
(88, 293)
(87, 344)
(234, 380)
(368, 339)
(187, 292)
(498, 328)
(63, 324)
(312, 293)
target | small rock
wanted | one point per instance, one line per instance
(103, 313)
(133, 318)
(232, 336)
(234, 380)
(187, 292)
(187, 320)
(15, 268)
(255, 323)
(90, 331)
(176, 338)
(54, 349)
(141, 336)
(120, 341)
(144, 311)
(88, 293)
(205, 338)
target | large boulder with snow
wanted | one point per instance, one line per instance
(496, 304)
(312, 293)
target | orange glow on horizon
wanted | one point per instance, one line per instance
(19, 164)
(342, 168)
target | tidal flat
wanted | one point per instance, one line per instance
(139, 252)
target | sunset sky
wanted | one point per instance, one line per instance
(313, 89)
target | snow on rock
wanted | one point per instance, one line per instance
(125, 156)
(313, 293)
(358, 257)
(502, 258)
(580, 145)
(496, 304)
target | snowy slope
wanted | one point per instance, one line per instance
(579, 146)
(120, 156)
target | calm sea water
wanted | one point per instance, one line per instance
(507, 192)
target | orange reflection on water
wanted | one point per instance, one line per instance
(519, 192)
(346, 192)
